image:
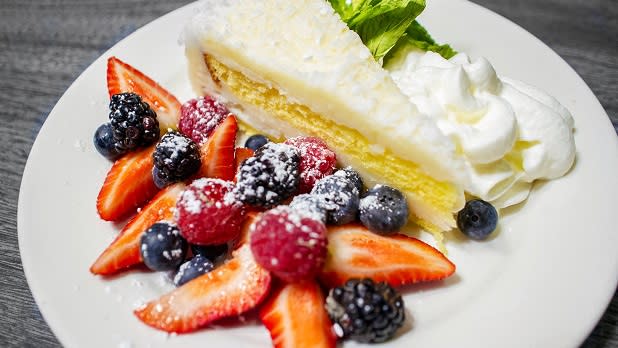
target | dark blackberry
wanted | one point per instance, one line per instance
(133, 122)
(365, 311)
(176, 157)
(270, 176)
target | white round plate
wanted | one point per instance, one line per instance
(544, 280)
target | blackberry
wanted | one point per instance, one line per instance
(176, 157)
(365, 311)
(271, 176)
(133, 122)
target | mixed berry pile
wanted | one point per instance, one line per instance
(246, 227)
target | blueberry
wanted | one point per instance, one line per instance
(256, 141)
(478, 219)
(215, 253)
(158, 179)
(105, 144)
(384, 210)
(312, 205)
(192, 269)
(162, 247)
(353, 176)
(339, 197)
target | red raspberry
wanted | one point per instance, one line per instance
(290, 245)
(208, 212)
(316, 160)
(199, 117)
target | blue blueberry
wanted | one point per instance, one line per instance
(192, 269)
(215, 253)
(353, 176)
(104, 142)
(478, 219)
(384, 210)
(310, 204)
(159, 180)
(256, 141)
(162, 247)
(339, 197)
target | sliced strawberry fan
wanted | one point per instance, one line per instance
(356, 252)
(295, 317)
(124, 251)
(218, 151)
(127, 186)
(234, 288)
(122, 77)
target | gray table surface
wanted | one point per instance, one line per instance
(46, 44)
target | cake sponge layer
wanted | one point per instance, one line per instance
(266, 109)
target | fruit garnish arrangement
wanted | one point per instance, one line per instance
(271, 227)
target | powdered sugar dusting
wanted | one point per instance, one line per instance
(269, 177)
(199, 117)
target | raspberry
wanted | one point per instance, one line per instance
(208, 212)
(289, 244)
(199, 117)
(316, 160)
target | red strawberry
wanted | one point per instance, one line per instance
(127, 186)
(232, 289)
(241, 154)
(245, 229)
(124, 250)
(356, 252)
(209, 213)
(199, 117)
(121, 77)
(295, 317)
(218, 151)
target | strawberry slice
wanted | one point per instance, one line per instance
(122, 77)
(127, 186)
(295, 317)
(241, 154)
(218, 151)
(356, 252)
(124, 250)
(232, 289)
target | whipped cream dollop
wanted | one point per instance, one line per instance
(508, 132)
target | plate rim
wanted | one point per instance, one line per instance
(61, 335)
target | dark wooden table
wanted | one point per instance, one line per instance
(46, 44)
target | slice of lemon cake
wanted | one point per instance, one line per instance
(289, 68)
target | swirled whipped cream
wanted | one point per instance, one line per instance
(509, 133)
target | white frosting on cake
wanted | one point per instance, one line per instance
(304, 50)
